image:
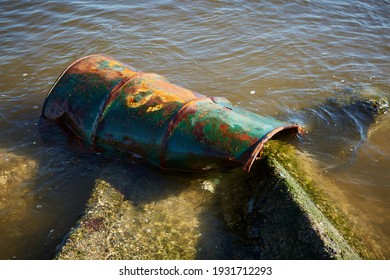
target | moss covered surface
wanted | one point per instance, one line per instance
(311, 192)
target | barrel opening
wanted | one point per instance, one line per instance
(278, 133)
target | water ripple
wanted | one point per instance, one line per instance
(292, 55)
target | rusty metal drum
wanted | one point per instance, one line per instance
(111, 106)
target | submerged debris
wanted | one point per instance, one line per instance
(361, 95)
(111, 106)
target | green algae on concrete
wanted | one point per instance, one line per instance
(114, 228)
(313, 194)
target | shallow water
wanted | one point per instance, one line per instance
(280, 59)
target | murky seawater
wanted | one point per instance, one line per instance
(281, 59)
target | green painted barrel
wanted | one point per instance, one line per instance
(111, 106)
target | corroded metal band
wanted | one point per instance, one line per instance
(110, 97)
(176, 119)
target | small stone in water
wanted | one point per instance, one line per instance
(208, 186)
(25, 74)
(252, 92)
(38, 206)
(35, 107)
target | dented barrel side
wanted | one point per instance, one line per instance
(110, 105)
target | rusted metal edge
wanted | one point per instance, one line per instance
(257, 151)
(59, 78)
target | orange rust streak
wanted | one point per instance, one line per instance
(161, 91)
(159, 83)
(226, 132)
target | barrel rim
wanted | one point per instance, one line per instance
(258, 147)
(63, 73)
